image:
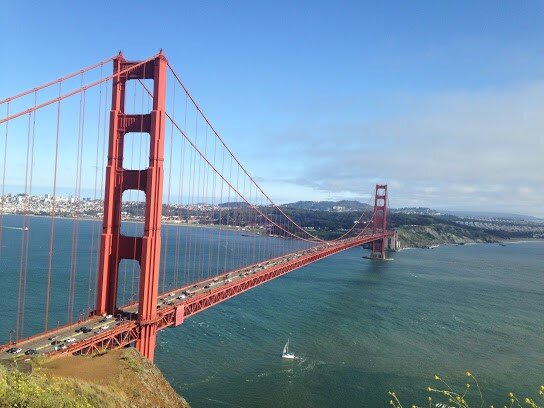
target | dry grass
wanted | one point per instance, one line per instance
(120, 378)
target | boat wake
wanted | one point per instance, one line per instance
(222, 402)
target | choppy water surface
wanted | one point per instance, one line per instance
(362, 328)
(359, 327)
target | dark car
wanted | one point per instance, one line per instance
(55, 342)
(81, 329)
(102, 320)
(86, 330)
(207, 287)
(31, 352)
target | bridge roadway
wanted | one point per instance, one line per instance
(109, 332)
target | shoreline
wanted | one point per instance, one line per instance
(522, 240)
(131, 221)
(507, 241)
(258, 233)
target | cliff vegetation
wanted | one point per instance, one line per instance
(120, 378)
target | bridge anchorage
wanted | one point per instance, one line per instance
(206, 265)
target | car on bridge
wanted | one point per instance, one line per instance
(83, 329)
(14, 350)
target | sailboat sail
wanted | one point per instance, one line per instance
(286, 353)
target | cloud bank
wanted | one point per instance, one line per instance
(471, 150)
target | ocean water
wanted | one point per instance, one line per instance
(360, 328)
(188, 254)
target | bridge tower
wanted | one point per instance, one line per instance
(114, 245)
(380, 221)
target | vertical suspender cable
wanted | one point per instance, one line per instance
(3, 197)
(212, 221)
(220, 212)
(168, 207)
(22, 273)
(52, 229)
(203, 198)
(94, 225)
(102, 169)
(76, 206)
(180, 215)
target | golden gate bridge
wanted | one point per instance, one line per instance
(163, 173)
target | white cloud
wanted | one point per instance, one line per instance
(462, 150)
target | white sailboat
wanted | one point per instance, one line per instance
(286, 354)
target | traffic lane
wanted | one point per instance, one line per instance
(176, 297)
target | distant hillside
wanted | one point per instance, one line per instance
(422, 236)
(489, 214)
(342, 205)
(415, 210)
(234, 204)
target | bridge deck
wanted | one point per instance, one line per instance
(173, 307)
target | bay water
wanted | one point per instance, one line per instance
(359, 328)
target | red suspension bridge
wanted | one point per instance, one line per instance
(184, 225)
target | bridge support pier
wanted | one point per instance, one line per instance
(380, 222)
(114, 245)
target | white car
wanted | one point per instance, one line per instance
(181, 297)
(106, 327)
(70, 340)
(108, 316)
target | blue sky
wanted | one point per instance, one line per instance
(442, 100)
